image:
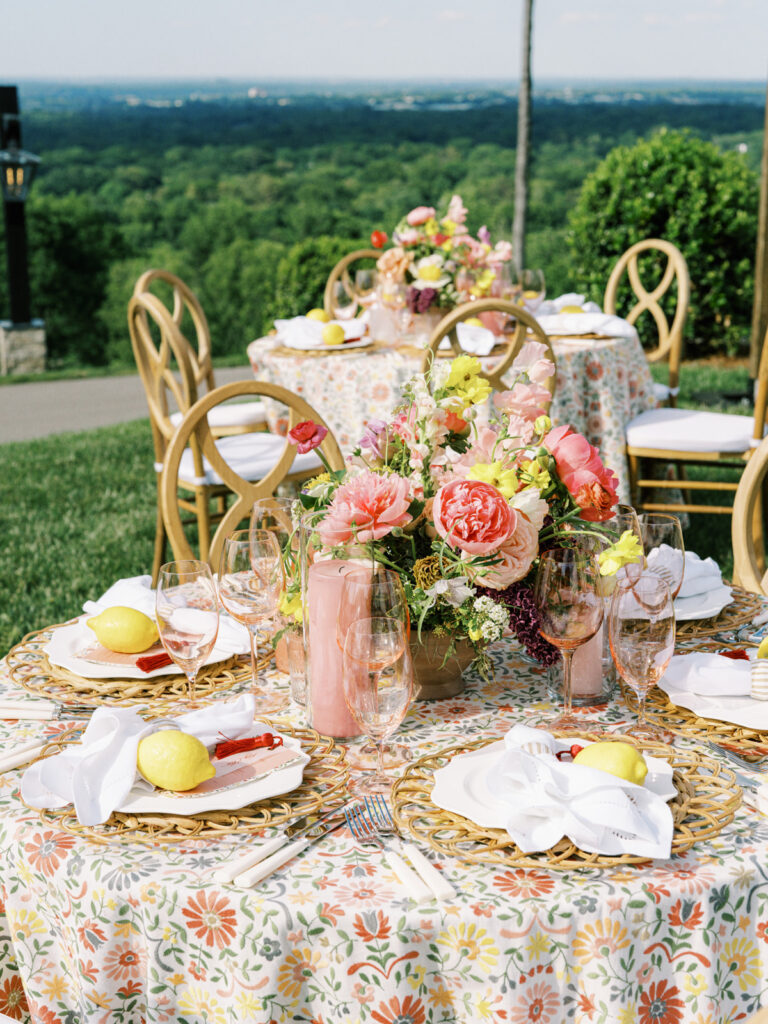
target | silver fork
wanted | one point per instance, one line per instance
(365, 832)
(760, 765)
(380, 815)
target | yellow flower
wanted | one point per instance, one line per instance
(471, 943)
(430, 272)
(55, 986)
(696, 983)
(504, 480)
(24, 923)
(321, 478)
(448, 225)
(199, 1003)
(416, 977)
(474, 634)
(626, 550)
(464, 380)
(538, 943)
(482, 285)
(431, 227)
(628, 1015)
(290, 606)
(535, 475)
(249, 1006)
(742, 957)
(597, 940)
(296, 970)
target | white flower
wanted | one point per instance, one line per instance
(530, 502)
(455, 591)
(494, 618)
(429, 272)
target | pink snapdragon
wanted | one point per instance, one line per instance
(524, 400)
(532, 360)
(457, 211)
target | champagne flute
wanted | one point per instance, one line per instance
(378, 684)
(343, 301)
(534, 289)
(250, 585)
(187, 614)
(570, 609)
(365, 287)
(662, 538)
(507, 282)
(275, 514)
(393, 296)
(642, 635)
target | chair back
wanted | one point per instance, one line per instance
(747, 524)
(188, 316)
(513, 341)
(341, 273)
(164, 366)
(670, 336)
(195, 433)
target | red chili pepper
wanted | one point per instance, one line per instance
(228, 747)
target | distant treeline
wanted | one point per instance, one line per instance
(252, 204)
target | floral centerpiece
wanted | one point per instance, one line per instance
(460, 508)
(440, 261)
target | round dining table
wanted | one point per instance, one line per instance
(98, 927)
(602, 383)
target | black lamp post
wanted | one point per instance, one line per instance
(17, 169)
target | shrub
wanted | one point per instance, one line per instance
(680, 188)
(303, 272)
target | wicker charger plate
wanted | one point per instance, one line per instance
(28, 666)
(744, 607)
(662, 712)
(324, 783)
(707, 800)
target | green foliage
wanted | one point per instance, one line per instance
(683, 189)
(303, 271)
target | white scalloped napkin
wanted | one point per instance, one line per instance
(711, 675)
(97, 773)
(302, 333)
(545, 800)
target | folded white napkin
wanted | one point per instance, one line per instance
(711, 675)
(546, 800)
(701, 575)
(136, 592)
(478, 341)
(23, 753)
(302, 333)
(97, 774)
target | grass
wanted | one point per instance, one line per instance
(78, 511)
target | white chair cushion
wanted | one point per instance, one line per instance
(663, 392)
(237, 414)
(251, 456)
(690, 430)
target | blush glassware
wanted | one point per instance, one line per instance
(343, 301)
(570, 606)
(250, 585)
(187, 613)
(378, 686)
(534, 289)
(662, 537)
(642, 636)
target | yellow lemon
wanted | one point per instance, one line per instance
(171, 759)
(762, 650)
(571, 309)
(615, 757)
(124, 630)
(333, 334)
(474, 321)
(318, 314)
(530, 294)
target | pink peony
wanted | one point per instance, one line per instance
(368, 507)
(581, 469)
(473, 516)
(527, 401)
(307, 435)
(420, 215)
(409, 237)
(532, 359)
(515, 556)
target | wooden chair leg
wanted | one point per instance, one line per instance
(203, 523)
(634, 475)
(161, 541)
(757, 528)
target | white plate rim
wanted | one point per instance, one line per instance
(720, 597)
(343, 347)
(277, 782)
(58, 650)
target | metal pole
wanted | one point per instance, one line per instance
(15, 225)
(760, 306)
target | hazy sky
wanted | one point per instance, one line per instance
(449, 39)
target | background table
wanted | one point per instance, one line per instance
(601, 385)
(124, 932)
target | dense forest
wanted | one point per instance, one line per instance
(253, 203)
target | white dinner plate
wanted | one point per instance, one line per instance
(461, 785)
(264, 786)
(67, 641)
(703, 606)
(313, 347)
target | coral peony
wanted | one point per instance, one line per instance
(473, 516)
(581, 469)
(368, 507)
(307, 435)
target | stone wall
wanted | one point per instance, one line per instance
(22, 348)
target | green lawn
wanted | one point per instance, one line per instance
(78, 512)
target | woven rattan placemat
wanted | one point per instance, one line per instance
(744, 607)
(707, 800)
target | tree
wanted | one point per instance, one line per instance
(523, 134)
(678, 187)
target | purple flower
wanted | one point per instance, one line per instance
(484, 235)
(524, 620)
(420, 299)
(370, 439)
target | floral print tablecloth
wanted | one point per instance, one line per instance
(122, 932)
(601, 385)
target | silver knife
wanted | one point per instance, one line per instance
(313, 834)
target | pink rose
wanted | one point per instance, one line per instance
(393, 263)
(473, 516)
(528, 401)
(368, 507)
(592, 486)
(307, 435)
(515, 556)
(420, 215)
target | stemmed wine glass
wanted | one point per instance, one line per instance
(662, 538)
(534, 289)
(570, 610)
(642, 635)
(250, 585)
(365, 287)
(275, 514)
(343, 301)
(187, 614)
(378, 684)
